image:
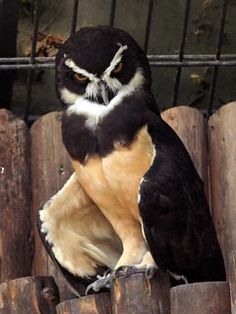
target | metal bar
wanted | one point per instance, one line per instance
(22, 60)
(51, 65)
(212, 88)
(191, 57)
(32, 57)
(74, 17)
(192, 63)
(112, 14)
(181, 52)
(148, 25)
(34, 66)
(152, 58)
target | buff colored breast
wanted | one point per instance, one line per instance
(113, 182)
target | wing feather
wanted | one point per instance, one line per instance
(175, 214)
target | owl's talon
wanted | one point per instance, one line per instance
(150, 271)
(100, 283)
(126, 271)
(178, 277)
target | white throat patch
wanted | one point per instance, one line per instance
(96, 112)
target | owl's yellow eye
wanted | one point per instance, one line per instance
(80, 77)
(118, 67)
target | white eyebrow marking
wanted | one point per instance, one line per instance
(116, 59)
(70, 64)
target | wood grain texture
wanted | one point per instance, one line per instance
(15, 246)
(222, 149)
(136, 294)
(232, 279)
(29, 295)
(50, 168)
(190, 125)
(200, 298)
(93, 304)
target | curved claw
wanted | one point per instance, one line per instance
(150, 271)
(101, 282)
(178, 277)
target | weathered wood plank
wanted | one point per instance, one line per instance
(93, 304)
(190, 125)
(200, 298)
(15, 246)
(232, 279)
(136, 294)
(222, 149)
(50, 168)
(29, 295)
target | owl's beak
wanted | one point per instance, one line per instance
(104, 92)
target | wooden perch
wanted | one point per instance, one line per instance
(190, 125)
(222, 148)
(93, 304)
(202, 298)
(136, 294)
(29, 295)
(232, 279)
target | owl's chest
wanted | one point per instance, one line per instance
(90, 130)
(113, 181)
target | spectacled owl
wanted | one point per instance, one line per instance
(135, 198)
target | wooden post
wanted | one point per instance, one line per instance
(222, 149)
(136, 294)
(200, 298)
(190, 125)
(29, 295)
(50, 168)
(232, 279)
(99, 303)
(15, 238)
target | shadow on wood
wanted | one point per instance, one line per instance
(29, 295)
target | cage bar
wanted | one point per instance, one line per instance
(74, 16)
(148, 25)
(112, 14)
(32, 58)
(212, 88)
(181, 52)
(179, 61)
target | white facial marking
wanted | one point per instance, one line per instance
(92, 90)
(68, 97)
(125, 90)
(87, 108)
(113, 83)
(70, 64)
(116, 59)
(95, 112)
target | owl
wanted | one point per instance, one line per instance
(135, 201)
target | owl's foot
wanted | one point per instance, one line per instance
(177, 277)
(101, 283)
(126, 271)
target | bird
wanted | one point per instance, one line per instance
(135, 200)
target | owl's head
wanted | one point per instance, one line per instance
(96, 63)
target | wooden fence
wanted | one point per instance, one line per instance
(34, 165)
